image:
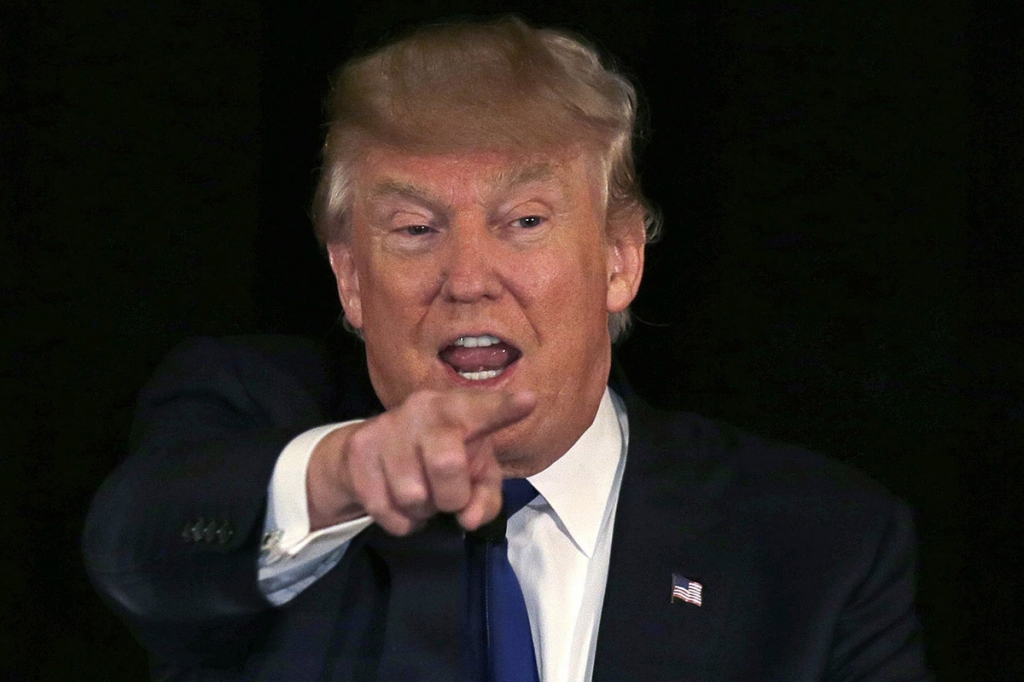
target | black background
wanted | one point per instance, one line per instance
(842, 187)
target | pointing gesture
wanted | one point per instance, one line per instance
(433, 453)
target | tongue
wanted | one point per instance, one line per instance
(479, 359)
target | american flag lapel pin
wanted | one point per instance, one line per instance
(684, 589)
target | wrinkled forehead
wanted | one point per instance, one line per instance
(385, 171)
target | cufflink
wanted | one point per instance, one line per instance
(270, 547)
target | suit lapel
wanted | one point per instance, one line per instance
(668, 521)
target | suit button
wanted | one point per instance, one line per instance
(186, 533)
(197, 531)
(224, 533)
(209, 530)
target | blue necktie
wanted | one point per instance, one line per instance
(501, 644)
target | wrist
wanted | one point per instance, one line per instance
(329, 495)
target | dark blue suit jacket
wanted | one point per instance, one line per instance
(807, 566)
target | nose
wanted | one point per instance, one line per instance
(470, 264)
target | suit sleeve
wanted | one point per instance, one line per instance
(878, 635)
(173, 535)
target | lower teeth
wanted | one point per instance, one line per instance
(480, 376)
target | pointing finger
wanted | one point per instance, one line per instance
(484, 413)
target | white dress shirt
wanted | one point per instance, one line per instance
(559, 544)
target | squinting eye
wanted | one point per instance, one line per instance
(418, 230)
(530, 221)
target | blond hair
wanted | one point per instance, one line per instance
(495, 85)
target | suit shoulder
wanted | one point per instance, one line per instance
(265, 371)
(298, 356)
(770, 474)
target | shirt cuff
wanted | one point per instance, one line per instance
(291, 557)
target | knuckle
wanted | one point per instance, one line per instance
(361, 443)
(411, 494)
(446, 463)
(423, 400)
(377, 507)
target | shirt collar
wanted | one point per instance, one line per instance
(578, 485)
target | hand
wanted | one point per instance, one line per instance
(433, 453)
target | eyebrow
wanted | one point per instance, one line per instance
(503, 180)
(389, 188)
(523, 174)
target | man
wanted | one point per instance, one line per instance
(480, 210)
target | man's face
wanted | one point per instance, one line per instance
(489, 271)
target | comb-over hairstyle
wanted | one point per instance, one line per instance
(498, 85)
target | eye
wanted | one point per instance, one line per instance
(417, 230)
(529, 221)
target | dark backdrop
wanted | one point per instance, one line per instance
(842, 189)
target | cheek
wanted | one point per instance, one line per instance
(395, 370)
(395, 298)
(395, 289)
(560, 289)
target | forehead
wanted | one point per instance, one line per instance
(384, 173)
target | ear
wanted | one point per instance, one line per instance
(344, 268)
(625, 263)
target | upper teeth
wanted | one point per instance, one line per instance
(474, 341)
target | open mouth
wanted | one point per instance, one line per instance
(479, 358)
